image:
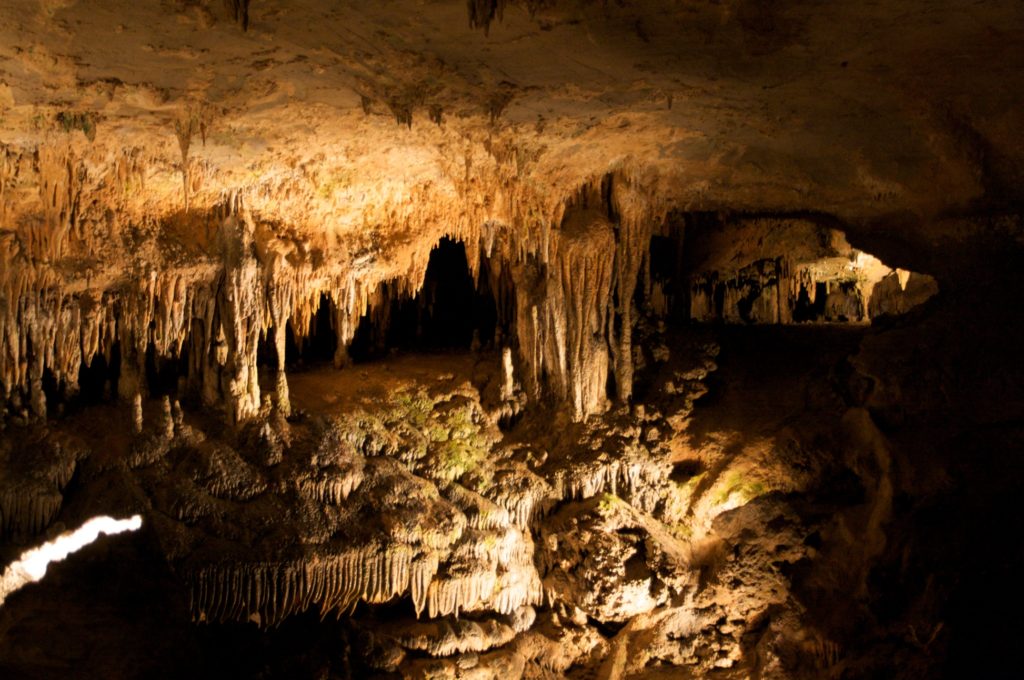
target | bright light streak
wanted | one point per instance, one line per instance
(32, 564)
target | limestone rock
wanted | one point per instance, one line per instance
(609, 560)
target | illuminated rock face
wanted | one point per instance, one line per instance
(197, 212)
(720, 300)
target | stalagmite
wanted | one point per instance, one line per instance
(178, 416)
(167, 418)
(137, 413)
(508, 384)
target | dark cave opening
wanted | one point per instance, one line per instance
(95, 383)
(664, 256)
(52, 388)
(448, 313)
(266, 356)
(318, 343)
(668, 293)
(314, 346)
(719, 298)
(745, 305)
(805, 310)
(97, 377)
(163, 373)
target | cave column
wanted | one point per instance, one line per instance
(343, 332)
(529, 300)
(281, 386)
(633, 243)
(131, 381)
(787, 292)
(240, 306)
(213, 364)
(242, 336)
(37, 398)
(585, 275)
(508, 385)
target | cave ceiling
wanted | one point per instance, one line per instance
(336, 117)
(646, 335)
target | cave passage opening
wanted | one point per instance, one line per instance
(315, 345)
(450, 312)
(453, 310)
(164, 373)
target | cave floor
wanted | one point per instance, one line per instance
(327, 391)
(116, 611)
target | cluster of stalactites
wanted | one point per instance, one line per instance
(268, 593)
(769, 291)
(567, 297)
(489, 567)
(213, 314)
(574, 313)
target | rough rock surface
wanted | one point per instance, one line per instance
(537, 338)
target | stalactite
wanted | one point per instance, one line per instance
(445, 637)
(626, 470)
(481, 513)
(488, 571)
(525, 495)
(562, 313)
(552, 282)
(61, 177)
(269, 592)
(332, 484)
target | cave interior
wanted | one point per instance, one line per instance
(510, 339)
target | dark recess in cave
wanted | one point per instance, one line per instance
(806, 310)
(162, 373)
(448, 313)
(93, 377)
(319, 342)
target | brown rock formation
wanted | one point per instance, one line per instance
(525, 339)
